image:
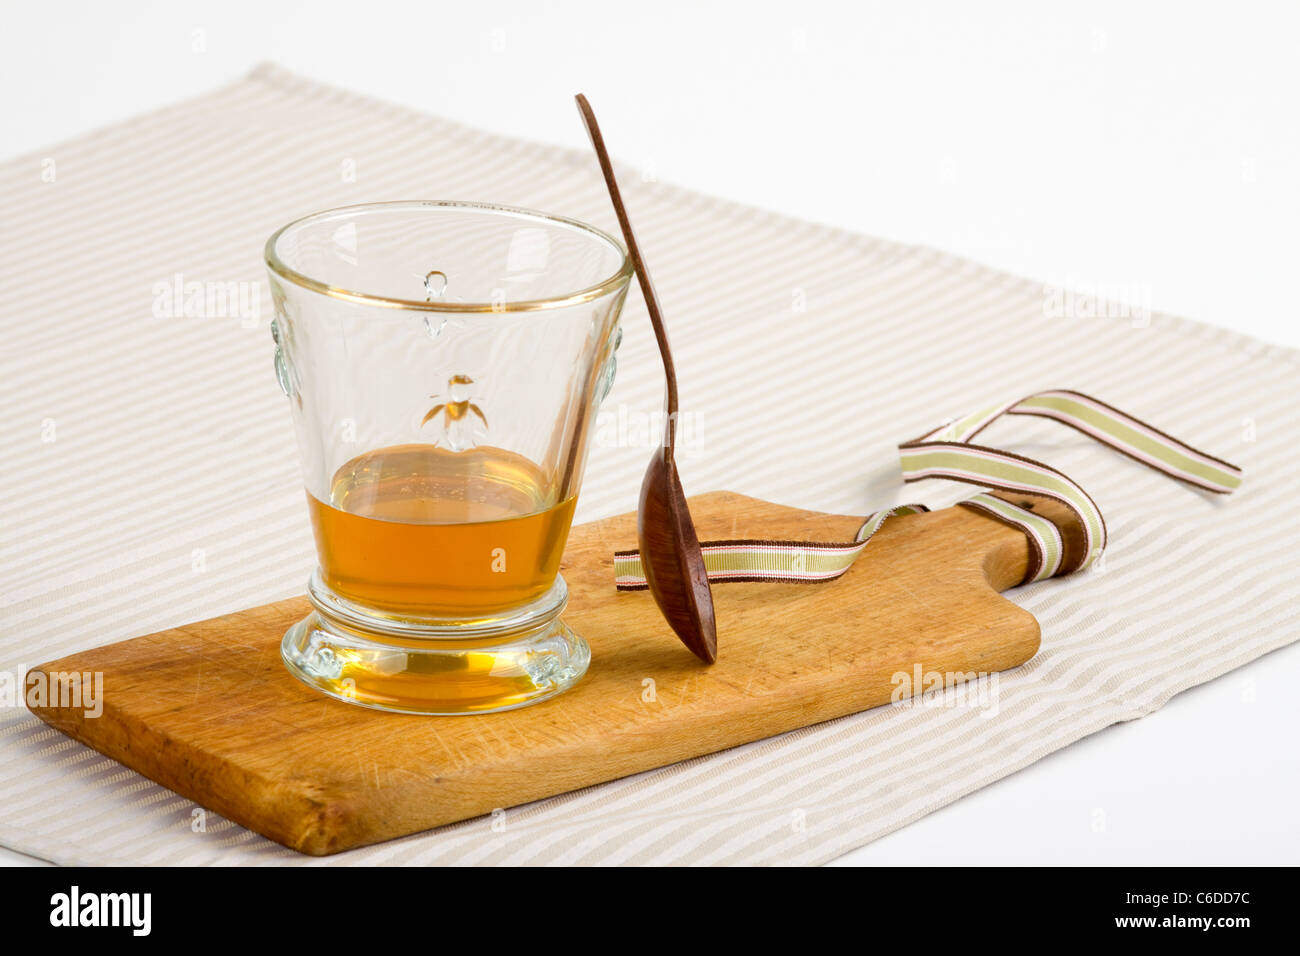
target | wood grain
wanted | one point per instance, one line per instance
(208, 709)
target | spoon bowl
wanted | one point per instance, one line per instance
(672, 559)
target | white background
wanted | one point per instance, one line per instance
(1145, 152)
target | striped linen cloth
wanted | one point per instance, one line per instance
(151, 477)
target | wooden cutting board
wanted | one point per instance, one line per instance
(209, 710)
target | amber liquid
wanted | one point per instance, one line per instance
(423, 531)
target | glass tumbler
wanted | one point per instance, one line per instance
(443, 363)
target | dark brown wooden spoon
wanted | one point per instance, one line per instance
(670, 549)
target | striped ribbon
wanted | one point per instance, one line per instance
(948, 452)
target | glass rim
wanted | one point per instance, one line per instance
(610, 284)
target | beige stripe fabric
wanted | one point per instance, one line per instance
(151, 478)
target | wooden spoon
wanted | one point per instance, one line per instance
(670, 549)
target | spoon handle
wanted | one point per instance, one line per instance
(642, 275)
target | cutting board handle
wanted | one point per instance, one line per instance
(1003, 572)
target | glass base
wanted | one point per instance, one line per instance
(445, 669)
